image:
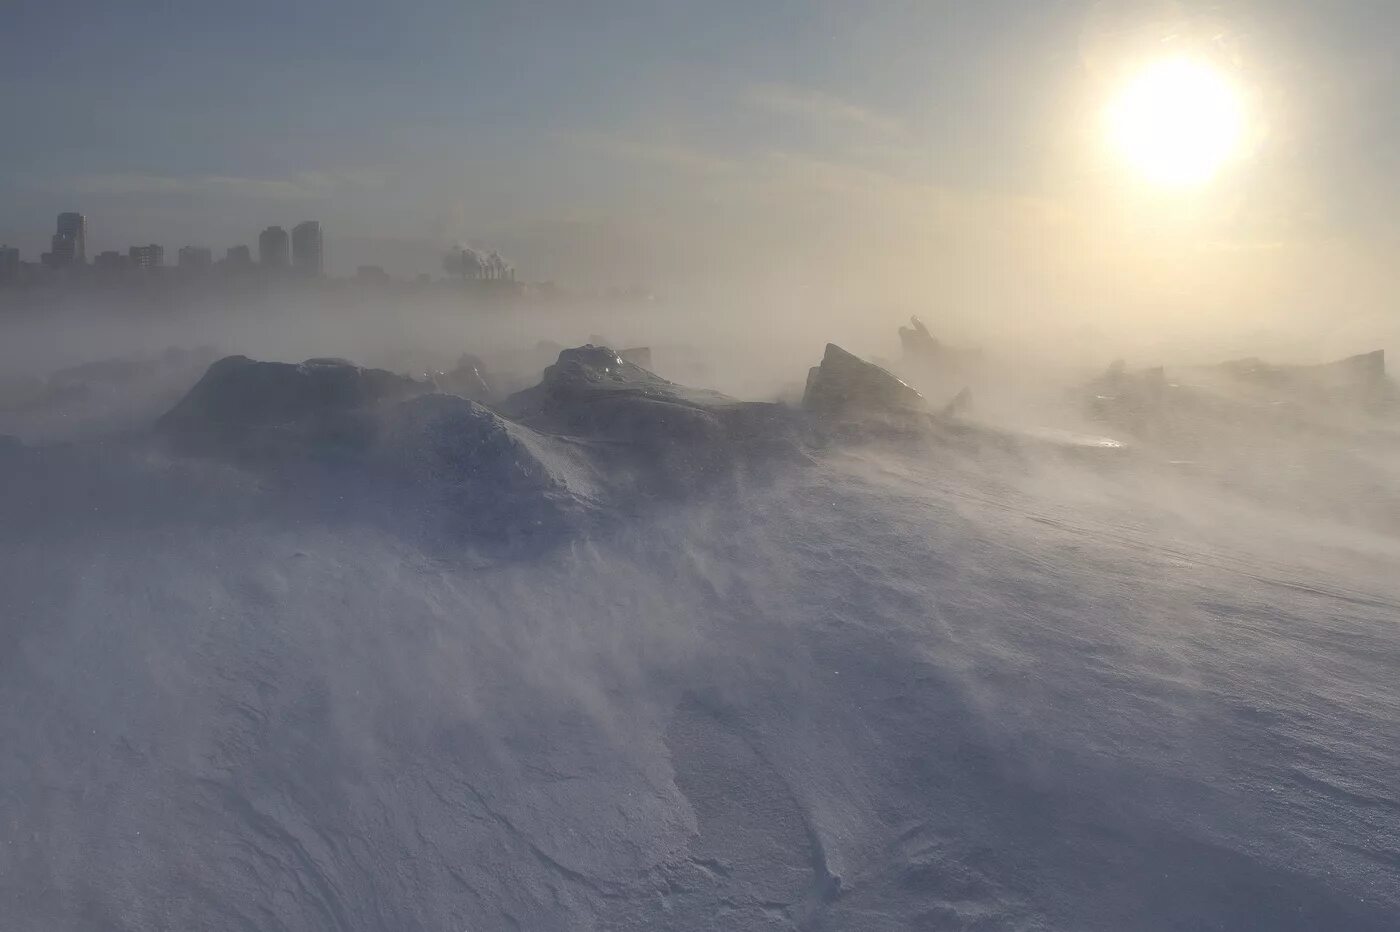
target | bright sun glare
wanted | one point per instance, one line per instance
(1177, 122)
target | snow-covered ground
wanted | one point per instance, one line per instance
(908, 684)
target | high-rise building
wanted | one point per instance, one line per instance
(9, 264)
(274, 249)
(238, 257)
(69, 244)
(194, 258)
(110, 261)
(371, 275)
(63, 251)
(308, 253)
(146, 257)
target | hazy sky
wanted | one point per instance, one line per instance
(935, 144)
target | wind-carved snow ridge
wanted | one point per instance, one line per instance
(598, 437)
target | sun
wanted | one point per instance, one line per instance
(1177, 122)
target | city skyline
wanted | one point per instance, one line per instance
(68, 249)
(801, 146)
(300, 250)
(298, 253)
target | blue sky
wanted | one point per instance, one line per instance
(658, 140)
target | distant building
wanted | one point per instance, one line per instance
(194, 258)
(274, 248)
(69, 244)
(146, 257)
(9, 264)
(371, 275)
(111, 261)
(308, 253)
(473, 266)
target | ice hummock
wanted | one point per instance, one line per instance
(238, 395)
(845, 384)
(598, 435)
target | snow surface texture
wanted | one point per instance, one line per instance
(617, 654)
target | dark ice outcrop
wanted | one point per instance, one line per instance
(846, 384)
(591, 390)
(238, 397)
(468, 379)
(327, 431)
(917, 342)
(597, 431)
(1240, 420)
(1356, 380)
(656, 435)
(959, 404)
(922, 349)
(1210, 405)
